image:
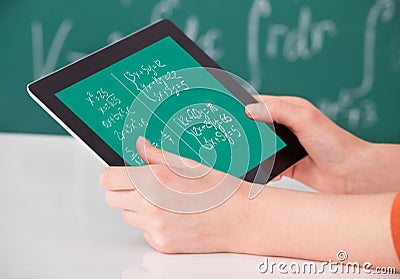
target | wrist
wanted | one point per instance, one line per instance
(240, 216)
(374, 169)
(257, 230)
(360, 168)
(382, 169)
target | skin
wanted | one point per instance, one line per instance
(357, 181)
(338, 161)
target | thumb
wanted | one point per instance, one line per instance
(181, 166)
(279, 111)
(153, 155)
(148, 153)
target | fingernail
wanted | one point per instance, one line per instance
(144, 141)
(252, 110)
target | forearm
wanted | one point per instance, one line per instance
(317, 226)
(382, 166)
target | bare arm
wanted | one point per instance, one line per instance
(277, 222)
(317, 226)
(338, 161)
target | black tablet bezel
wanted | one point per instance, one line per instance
(44, 91)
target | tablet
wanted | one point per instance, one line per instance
(159, 84)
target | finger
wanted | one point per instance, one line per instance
(116, 178)
(134, 219)
(288, 173)
(127, 199)
(277, 178)
(148, 153)
(278, 110)
(153, 155)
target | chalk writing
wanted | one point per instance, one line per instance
(260, 9)
(164, 9)
(164, 138)
(301, 43)
(108, 100)
(296, 43)
(108, 105)
(151, 69)
(41, 65)
(131, 127)
(351, 103)
(113, 114)
(208, 126)
(161, 86)
(134, 157)
(114, 117)
(207, 41)
(267, 39)
(192, 114)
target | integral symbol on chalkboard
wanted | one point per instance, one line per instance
(353, 104)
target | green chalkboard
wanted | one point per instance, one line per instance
(343, 56)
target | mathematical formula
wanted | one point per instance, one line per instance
(161, 86)
(302, 42)
(208, 126)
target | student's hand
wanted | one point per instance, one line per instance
(218, 230)
(337, 161)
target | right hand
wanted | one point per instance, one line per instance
(337, 161)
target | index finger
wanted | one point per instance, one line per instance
(116, 178)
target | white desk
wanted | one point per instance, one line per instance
(55, 224)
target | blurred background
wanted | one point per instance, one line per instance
(344, 57)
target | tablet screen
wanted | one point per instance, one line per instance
(164, 94)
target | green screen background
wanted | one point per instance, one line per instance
(187, 112)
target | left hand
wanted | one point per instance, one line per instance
(221, 229)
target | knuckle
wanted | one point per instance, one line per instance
(163, 245)
(160, 226)
(103, 180)
(108, 197)
(305, 102)
(277, 104)
(298, 99)
(126, 217)
(160, 238)
(311, 114)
